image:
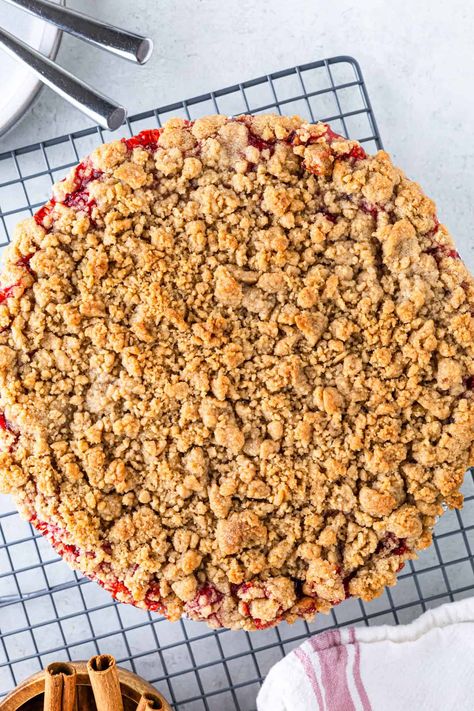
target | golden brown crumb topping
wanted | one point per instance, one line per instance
(236, 369)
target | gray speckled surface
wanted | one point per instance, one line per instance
(417, 58)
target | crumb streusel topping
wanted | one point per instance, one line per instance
(236, 370)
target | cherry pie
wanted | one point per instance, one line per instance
(236, 370)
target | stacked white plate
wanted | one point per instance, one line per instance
(18, 85)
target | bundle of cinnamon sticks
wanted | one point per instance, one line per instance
(62, 693)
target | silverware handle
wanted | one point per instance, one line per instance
(125, 44)
(99, 108)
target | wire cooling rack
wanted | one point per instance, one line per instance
(49, 612)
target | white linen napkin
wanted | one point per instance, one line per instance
(427, 665)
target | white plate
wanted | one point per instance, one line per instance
(19, 85)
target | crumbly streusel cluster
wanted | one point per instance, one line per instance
(236, 370)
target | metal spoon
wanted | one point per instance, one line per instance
(99, 108)
(113, 39)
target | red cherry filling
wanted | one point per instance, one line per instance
(3, 423)
(206, 596)
(243, 588)
(153, 599)
(25, 263)
(216, 619)
(112, 585)
(332, 218)
(346, 582)
(257, 141)
(115, 587)
(6, 427)
(55, 535)
(311, 608)
(81, 202)
(7, 291)
(370, 209)
(44, 211)
(260, 143)
(260, 624)
(331, 135)
(392, 545)
(441, 250)
(469, 383)
(84, 174)
(356, 153)
(145, 139)
(401, 549)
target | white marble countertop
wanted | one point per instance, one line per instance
(417, 59)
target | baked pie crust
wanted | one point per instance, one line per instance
(236, 370)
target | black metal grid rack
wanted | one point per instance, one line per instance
(49, 612)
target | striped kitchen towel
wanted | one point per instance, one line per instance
(427, 665)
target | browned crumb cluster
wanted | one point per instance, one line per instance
(236, 370)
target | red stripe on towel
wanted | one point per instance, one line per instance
(333, 659)
(356, 672)
(311, 674)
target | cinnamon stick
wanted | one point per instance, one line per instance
(84, 698)
(105, 683)
(149, 702)
(53, 689)
(60, 687)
